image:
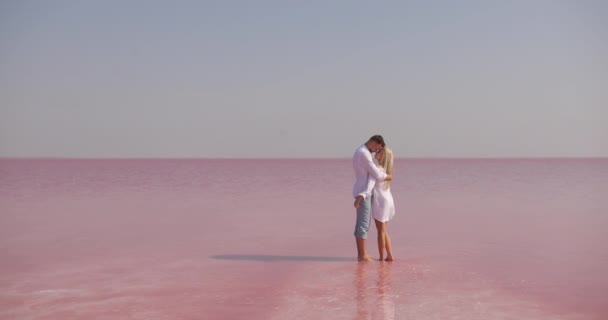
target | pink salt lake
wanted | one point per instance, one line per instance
(272, 239)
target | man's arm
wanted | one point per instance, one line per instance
(372, 169)
(371, 182)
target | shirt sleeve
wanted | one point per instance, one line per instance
(371, 182)
(372, 169)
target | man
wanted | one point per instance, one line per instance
(364, 166)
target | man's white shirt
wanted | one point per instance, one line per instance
(364, 167)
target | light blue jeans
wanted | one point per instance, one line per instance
(364, 213)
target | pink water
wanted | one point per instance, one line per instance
(272, 239)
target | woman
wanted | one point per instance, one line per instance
(383, 206)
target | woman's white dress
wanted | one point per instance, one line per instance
(383, 206)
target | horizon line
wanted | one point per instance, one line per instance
(304, 158)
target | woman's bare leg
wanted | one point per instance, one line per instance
(387, 243)
(381, 238)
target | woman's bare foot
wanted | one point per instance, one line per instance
(365, 258)
(389, 258)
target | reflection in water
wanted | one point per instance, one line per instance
(361, 286)
(385, 305)
(379, 296)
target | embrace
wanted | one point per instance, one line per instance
(372, 193)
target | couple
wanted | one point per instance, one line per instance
(373, 196)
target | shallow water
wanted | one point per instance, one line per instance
(272, 239)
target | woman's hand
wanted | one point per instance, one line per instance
(389, 177)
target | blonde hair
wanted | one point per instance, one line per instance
(388, 164)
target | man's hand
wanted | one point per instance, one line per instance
(358, 201)
(389, 177)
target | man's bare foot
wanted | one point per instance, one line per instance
(365, 258)
(389, 258)
(381, 259)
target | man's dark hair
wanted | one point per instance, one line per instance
(378, 139)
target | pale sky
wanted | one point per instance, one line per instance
(310, 79)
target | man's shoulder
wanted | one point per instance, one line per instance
(361, 152)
